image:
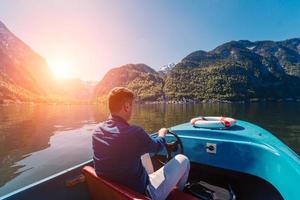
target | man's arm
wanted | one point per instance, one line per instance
(149, 144)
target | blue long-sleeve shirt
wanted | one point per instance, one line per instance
(118, 148)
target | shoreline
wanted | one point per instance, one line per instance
(208, 101)
(189, 101)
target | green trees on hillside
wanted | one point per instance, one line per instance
(234, 71)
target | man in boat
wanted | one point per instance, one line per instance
(118, 147)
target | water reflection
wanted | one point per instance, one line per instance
(28, 135)
(37, 141)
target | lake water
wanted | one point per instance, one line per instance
(40, 140)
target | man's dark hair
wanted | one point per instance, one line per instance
(117, 97)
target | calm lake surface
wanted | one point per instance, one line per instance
(40, 140)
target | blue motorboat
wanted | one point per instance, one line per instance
(246, 158)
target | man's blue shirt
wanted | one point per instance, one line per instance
(118, 148)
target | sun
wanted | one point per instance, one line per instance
(60, 67)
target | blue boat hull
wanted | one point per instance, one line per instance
(248, 149)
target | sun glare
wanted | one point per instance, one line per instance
(60, 67)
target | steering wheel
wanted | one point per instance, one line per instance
(172, 146)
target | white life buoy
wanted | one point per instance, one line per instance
(213, 122)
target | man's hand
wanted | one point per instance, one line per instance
(162, 132)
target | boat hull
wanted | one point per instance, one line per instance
(245, 148)
(54, 187)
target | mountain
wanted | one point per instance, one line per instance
(164, 70)
(143, 80)
(24, 75)
(234, 71)
(237, 70)
(73, 89)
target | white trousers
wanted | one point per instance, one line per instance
(173, 174)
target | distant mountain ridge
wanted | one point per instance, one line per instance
(234, 71)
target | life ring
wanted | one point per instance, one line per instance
(213, 122)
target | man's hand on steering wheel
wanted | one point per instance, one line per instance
(162, 132)
(171, 146)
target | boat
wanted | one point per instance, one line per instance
(246, 158)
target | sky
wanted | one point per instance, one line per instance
(86, 38)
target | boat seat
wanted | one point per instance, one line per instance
(104, 189)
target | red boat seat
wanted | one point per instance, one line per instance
(104, 189)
